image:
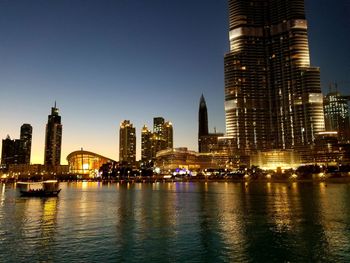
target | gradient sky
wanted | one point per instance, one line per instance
(104, 61)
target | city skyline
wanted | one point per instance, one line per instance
(95, 93)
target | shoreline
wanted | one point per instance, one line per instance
(199, 180)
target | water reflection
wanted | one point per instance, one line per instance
(218, 222)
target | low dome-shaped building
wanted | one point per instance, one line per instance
(86, 163)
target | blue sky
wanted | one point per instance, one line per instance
(106, 61)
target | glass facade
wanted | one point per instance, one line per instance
(86, 163)
(270, 89)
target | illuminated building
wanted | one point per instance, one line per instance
(146, 144)
(336, 113)
(127, 143)
(273, 97)
(26, 137)
(160, 139)
(182, 158)
(53, 138)
(273, 159)
(86, 163)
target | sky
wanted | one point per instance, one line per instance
(105, 61)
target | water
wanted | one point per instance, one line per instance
(178, 222)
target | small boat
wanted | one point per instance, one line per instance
(39, 189)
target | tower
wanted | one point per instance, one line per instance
(146, 144)
(26, 137)
(53, 138)
(202, 122)
(127, 143)
(273, 97)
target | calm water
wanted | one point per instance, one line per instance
(178, 222)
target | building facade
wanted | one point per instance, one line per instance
(336, 113)
(127, 143)
(160, 139)
(273, 97)
(86, 163)
(53, 138)
(26, 137)
(146, 144)
(17, 151)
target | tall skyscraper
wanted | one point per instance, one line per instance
(158, 124)
(26, 137)
(202, 122)
(53, 138)
(207, 142)
(127, 143)
(146, 144)
(162, 135)
(273, 97)
(336, 112)
(168, 134)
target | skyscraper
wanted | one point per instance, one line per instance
(127, 143)
(26, 137)
(146, 144)
(7, 151)
(273, 97)
(53, 138)
(162, 135)
(168, 134)
(202, 121)
(336, 113)
(207, 142)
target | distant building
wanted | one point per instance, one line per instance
(17, 151)
(53, 138)
(168, 134)
(160, 139)
(8, 151)
(207, 142)
(146, 144)
(127, 143)
(26, 137)
(336, 113)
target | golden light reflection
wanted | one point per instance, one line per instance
(280, 206)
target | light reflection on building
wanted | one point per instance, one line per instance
(86, 163)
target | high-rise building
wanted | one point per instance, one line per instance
(336, 113)
(127, 143)
(26, 137)
(202, 122)
(53, 138)
(202, 118)
(168, 134)
(12, 151)
(207, 142)
(158, 124)
(7, 151)
(160, 139)
(273, 97)
(146, 144)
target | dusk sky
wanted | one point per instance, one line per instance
(106, 61)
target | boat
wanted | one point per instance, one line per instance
(39, 189)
